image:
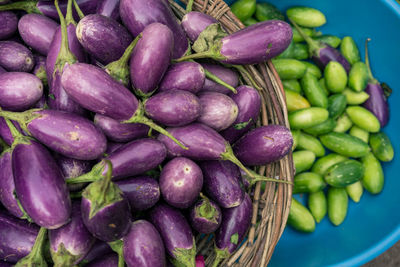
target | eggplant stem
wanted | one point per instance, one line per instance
(311, 43)
(94, 175)
(78, 10)
(22, 118)
(35, 257)
(205, 54)
(14, 131)
(28, 6)
(189, 6)
(69, 17)
(216, 79)
(371, 77)
(242, 69)
(118, 247)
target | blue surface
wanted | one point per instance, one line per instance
(373, 225)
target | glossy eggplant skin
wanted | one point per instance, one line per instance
(377, 103)
(186, 76)
(110, 260)
(327, 54)
(15, 57)
(227, 75)
(195, 22)
(109, 8)
(72, 168)
(9, 24)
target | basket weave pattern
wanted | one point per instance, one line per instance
(271, 206)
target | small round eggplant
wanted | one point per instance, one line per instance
(248, 101)
(142, 192)
(72, 168)
(195, 22)
(227, 75)
(222, 183)
(37, 31)
(108, 8)
(119, 132)
(187, 76)
(71, 242)
(110, 260)
(15, 57)
(103, 37)
(19, 90)
(40, 186)
(205, 216)
(181, 181)
(143, 246)
(150, 58)
(40, 70)
(218, 111)
(176, 233)
(9, 24)
(264, 145)
(173, 108)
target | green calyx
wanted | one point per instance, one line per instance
(247, 74)
(78, 10)
(94, 175)
(42, 75)
(35, 257)
(23, 118)
(370, 76)
(216, 79)
(185, 257)
(206, 210)
(28, 6)
(62, 257)
(189, 6)
(313, 45)
(24, 214)
(118, 247)
(242, 125)
(221, 254)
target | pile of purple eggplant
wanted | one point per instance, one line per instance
(117, 147)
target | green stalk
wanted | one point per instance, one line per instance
(242, 70)
(23, 118)
(371, 77)
(78, 10)
(220, 255)
(189, 6)
(118, 247)
(35, 257)
(28, 6)
(312, 44)
(216, 79)
(94, 175)
(69, 19)
(205, 54)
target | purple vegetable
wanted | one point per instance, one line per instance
(173, 108)
(2, 70)
(227, 75)
(248, 101)
(108, 8)
(16, 237)
(181, 181)
(111, 147)
(151, 58)
(72, 168)
(40, 71)
(195, 22)
(137, 14)
(205, 216)
(222, 183)
(235, 223)
(142, 192)
(176, 233)
(143, 246)
(19, 90)
(110, 260)
(15, 57)
(71, 242)
(264, 145)
(37, 31)
(5, 132)
(98, 250)
(9, 24)
(103, 37)
(187, 76)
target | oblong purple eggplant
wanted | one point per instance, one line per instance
(15, 57)
(110, 260)
(150, 58)
(205, 216)
(142, 192)
(143, 246)
(181, 181)
(71, 242)
(108, 8)
(40, 71)
(2, 70)
(187, 76)
(195, 22)
(235, 223)
(40, 186)
(72, 168)
(120, 132)
(227, 75)
(103, 37)
(5, 132)
(176, 233)
(9, 24)
(218, 111)
(111, 147)
(222, 183)
(19, 90)
(98, 250)
(137, 14)
(248, 101)
(37, 31)
(173, 108)
(264, 145)
(16, 237)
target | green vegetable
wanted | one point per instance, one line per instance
(267, 11)
(331, 40)
(323, 85)
(322, 165)
(373, 178)
(318, 205)
(289, 51)
(343, 124)
(322, 128)
(345, 144)
(336, 105)
(363, 118)
(295, 134)
(359, 133)
(297, 38)
(344, 173)
(300, 51)
(295, 101)
(250, 21)
(381, 146)
(355, 191)
(313, 91)
(355, 98)
(303, 160)
(358, 77)
(309, 142)
(293, 85)
(300, 217)
(244, 9)
(308, 182)
(289, 68)
(306, 16)
(308, 117)
(338, 202)
(349, 50)
(313, 69)
(335, 77)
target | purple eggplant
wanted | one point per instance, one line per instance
(251, 45)
(37, 31)
(103, 37)
(98, 250)
(105, 209)
(119, 132)
(150, 58)
(264, 145)
(19, 90)
(248, 101)
(110, 260)
(181, 181)
(9, 24)
(218, 111)
(195, 22)
(15, 57)
(142, 192)
(377, 102)
(205, 216)
(5, 132)
(173, 108)
(143, 246)
(111, 147)
(2, 70)
(137, 14)
(72, 168)
(222, 183)
(40, 71)
(176, 233)
(109, 8)
(71, 242)
(187, 76)
(235, 223)
(16, 237)
(227, 75)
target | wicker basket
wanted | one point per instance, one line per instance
(271, 206)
